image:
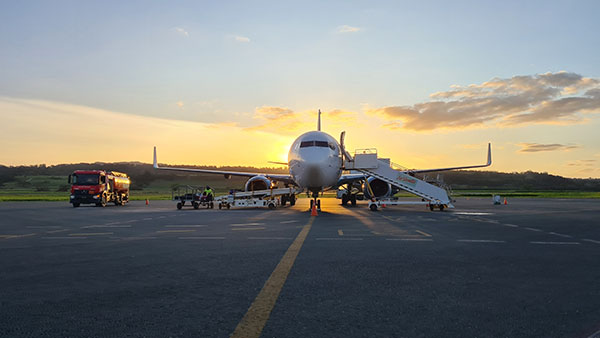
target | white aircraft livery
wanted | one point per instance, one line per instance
(315, 162)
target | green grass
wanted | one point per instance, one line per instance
(56, 188)
(527, 194)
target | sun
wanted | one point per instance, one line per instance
(283, 155)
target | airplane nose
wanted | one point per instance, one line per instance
(314, 174)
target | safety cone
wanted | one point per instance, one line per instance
(147, 202)
(505, 202)
(313, 212)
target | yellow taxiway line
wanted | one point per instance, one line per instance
(256, 318)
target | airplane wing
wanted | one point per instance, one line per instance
(226, 173)
(487, 164)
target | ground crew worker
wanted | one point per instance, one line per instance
(209, 193)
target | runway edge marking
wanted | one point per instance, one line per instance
(257, 315)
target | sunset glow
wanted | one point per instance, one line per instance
(209, 86)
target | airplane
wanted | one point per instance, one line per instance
(315, 162)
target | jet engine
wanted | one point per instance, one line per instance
(381, 189)
(258, 183)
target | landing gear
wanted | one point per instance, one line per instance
(284, 200)
(316, 202)
(292, 199)
(349, 198)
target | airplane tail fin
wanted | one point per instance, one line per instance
(319, 121)
(155, 164)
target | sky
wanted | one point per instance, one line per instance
(427, 83)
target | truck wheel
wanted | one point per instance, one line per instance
(373, 207)
(353, 200)
(196, 205)
(179, 205)
(292, 200)
(220, 206)
(441, 207)
(228, 206)
(75, 205)
(344, 199)
(102, 202)
(271, 205)
(431, 207)
(212, 205)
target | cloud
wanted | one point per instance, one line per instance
(277, 120)
(180, 104)
(338, 114)
(240, 38)
(585, 166)
(347, 29)
(281, 120)
(181, 31)
(550, 98)
(538, 147)
(582, 163)
(273, 113)
(335, 116)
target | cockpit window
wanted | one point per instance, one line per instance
(322, 144)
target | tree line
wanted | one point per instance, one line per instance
(143, 174)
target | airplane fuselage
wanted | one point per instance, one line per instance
(315, 161)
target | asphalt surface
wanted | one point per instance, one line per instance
(527, 269)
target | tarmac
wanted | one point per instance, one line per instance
(527, 269)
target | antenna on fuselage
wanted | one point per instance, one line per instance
(319, 122)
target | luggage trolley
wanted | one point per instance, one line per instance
(191, 196)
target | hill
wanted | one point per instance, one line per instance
(42, 178)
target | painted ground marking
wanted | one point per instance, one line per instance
(255, 319)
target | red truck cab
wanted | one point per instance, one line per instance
(98, 187)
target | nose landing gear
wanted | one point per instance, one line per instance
(315, 201)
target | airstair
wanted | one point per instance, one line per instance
(367, 162)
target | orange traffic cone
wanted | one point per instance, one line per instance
(505, 202)
(313, 212)
(147, 202)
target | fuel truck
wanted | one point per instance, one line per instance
(98, 187)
